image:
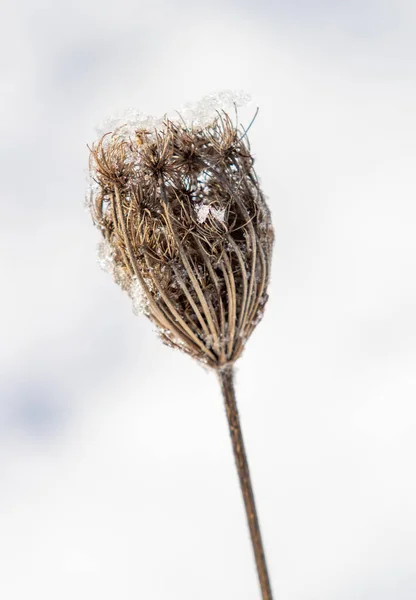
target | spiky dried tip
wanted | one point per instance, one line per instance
(187, 229)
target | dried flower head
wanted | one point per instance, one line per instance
(186, 230)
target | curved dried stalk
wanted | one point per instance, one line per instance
(186, 223)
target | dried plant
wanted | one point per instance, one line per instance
(188, 235)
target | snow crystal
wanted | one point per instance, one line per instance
(218, 213)
(106, 261)
(202, 212)
(92, 192)
(202, 113)
(198, 114)
(127, 122)
(139, 298)
(105, 255)
(121, 277)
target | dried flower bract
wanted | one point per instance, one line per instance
(187, 231)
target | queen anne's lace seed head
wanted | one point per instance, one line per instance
(186, 229)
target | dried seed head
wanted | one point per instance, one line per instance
(187, 231)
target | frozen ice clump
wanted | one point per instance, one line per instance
(203, 211)
(206, 110)
(105, 256)
(139, 298)
(197, 114)
(93, 189)
(218, 213)
(127, 122)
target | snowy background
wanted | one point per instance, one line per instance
(116, 474)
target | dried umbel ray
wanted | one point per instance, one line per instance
(187, 228)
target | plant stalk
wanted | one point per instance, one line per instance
(227, 386)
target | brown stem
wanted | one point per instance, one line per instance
(227, 386)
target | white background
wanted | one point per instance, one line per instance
(116, 474)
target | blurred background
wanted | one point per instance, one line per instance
(116, 473)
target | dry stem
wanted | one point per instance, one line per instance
(226, 380)
(181, 211)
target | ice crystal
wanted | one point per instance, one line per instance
(105, 256)
(201, 113)
(127, 122)
(138, 297)
(218, 213)
(202, 212)
(196, 114)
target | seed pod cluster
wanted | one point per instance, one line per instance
(187, 229)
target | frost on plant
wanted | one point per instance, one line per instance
(197, 114)
(186, 228)
(138, 297)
